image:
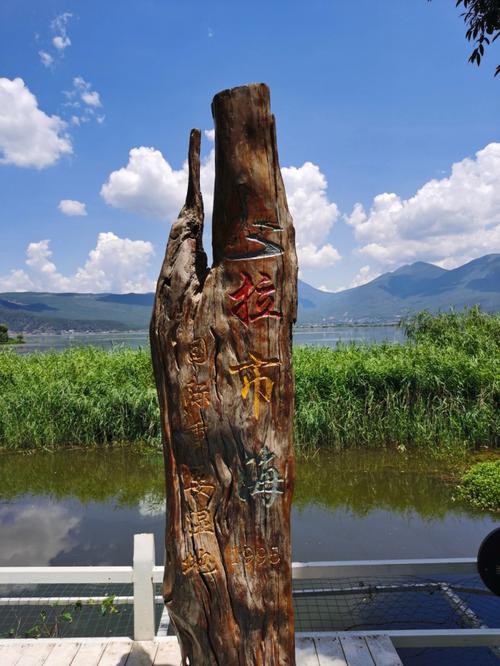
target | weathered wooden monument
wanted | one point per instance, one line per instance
(221, 345)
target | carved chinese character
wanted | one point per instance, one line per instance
(199, 522)
(251, 372)
(198, 351)
(188, 563)
(263, 480)
(199, 490)
(269, 248)
(198, 430)
(204, 563)
(197, 395)
(254, 302)
(195, 398)
(266, 224)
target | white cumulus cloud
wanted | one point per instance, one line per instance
(365, 274)
(28, 136)
(16, 280)
(61, 40)
(46, 59)
(83, 101)
(311, 255)
(84, 90)
(91, 98)
(308, 201)
(115, 264)
(72, 208)
(449, 220)
(313, 214)
(149, 185)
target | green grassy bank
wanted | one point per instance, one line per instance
(439, 391)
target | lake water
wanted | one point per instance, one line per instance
(316, 336)
(83, 508)
(78, 507)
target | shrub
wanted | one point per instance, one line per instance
(480, 485)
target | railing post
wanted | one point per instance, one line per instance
(144, 603)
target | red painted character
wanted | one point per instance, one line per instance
(254, 302)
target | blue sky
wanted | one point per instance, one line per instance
(388, 139)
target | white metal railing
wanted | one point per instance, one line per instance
(143, 575)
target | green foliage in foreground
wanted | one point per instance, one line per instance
(440, 391)
(395, 395)
(78, 397)
(473, 331)
(480, 485)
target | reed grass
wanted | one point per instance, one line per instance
(438, 392)
(79, 397)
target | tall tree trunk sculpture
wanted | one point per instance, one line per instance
(221, 346)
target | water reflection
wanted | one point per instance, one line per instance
(360, 481)
(35, 531)
(82, 507)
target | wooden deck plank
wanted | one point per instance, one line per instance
(371, 650)
(115, 654)
(88, 654)
(356, 651)
(383, 651)
(9, 654)
(305, 652)
(34, 654)
(169, 654)
(329, 651)
(62, 654)
(143, 653)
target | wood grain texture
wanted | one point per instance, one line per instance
(330, 651)
(168, 654)
(62, 654)
(356, 651)
(34, 654)
(383, 651)
(221, 347)
(88, 654)
(115, 654)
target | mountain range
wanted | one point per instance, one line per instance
(388, 298)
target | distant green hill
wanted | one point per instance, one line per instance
(40, 311)
(414, 287)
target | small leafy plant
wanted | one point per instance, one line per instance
(480, 485)
(50, 628)
(45, 628)
(108, 606)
